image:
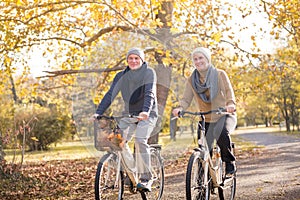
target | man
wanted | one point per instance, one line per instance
(137, 84)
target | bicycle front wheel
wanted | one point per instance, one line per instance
(228, 188)
(109, 182)
(157, 170)
(195, 187)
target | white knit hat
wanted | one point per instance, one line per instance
(136, 51)
(204, 51)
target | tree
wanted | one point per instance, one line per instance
(84, 37)
(286, 25)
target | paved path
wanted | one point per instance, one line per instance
(272, 173)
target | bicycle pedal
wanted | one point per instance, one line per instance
(132, 190)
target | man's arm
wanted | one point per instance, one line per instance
(110, 95)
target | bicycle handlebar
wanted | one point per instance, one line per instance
(114, 117)
(218, 111)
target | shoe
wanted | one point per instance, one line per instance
(144, 185)
(230, 168)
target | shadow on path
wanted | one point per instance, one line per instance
(274, 172)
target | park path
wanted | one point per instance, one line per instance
(270, 173)
(273, 173)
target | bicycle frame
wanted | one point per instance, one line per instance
(206, 157)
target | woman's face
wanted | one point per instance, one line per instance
(134, 62)
(200, 62)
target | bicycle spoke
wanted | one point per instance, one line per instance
(157, 171)
(106, 184)
(195, 187)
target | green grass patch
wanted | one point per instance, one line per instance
(244, 145)
(85, 149)
(61, 151)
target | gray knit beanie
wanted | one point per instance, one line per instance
(136, 51)
(204, 51)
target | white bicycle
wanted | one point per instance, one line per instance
(205, 173)
(112, 170)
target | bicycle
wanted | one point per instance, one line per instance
(205, 172)
(112, 170)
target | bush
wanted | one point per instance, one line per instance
(41, 126)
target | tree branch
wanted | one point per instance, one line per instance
(79, 71)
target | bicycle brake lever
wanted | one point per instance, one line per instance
(180, 114)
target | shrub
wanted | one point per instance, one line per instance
(41, 126)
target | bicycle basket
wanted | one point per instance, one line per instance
(107, 136)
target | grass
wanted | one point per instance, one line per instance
(85, 149)
(244, 145)
(61, 151)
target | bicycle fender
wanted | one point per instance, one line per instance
(200, 151)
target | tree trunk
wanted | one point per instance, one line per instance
(1, 149)
(286, 115)
(163, 72)
(163, 85)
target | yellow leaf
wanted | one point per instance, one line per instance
(152, 31)
(34, 139)
(174, 30)
(217, 36)
(21, 2)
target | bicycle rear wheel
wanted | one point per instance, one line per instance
(107, 186)
(195, 188)
(157, 170)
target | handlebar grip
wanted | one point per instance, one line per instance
(222, 109)
(98, 117)
(180, 113)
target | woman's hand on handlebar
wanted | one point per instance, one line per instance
(230, 108)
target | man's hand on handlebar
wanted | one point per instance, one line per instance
(143, 116)
(95, 116)
(176, 111)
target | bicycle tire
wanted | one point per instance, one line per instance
(105, 179)
(195, 188)
(157, 169)
(228, 189)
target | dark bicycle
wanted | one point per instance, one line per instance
(112, 170)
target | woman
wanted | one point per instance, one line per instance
(211, 89)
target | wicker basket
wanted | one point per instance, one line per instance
(107, 137)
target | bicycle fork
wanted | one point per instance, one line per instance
(116, 184)
(211, 173)
(132, 174)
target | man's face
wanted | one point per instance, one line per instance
(134, 62)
